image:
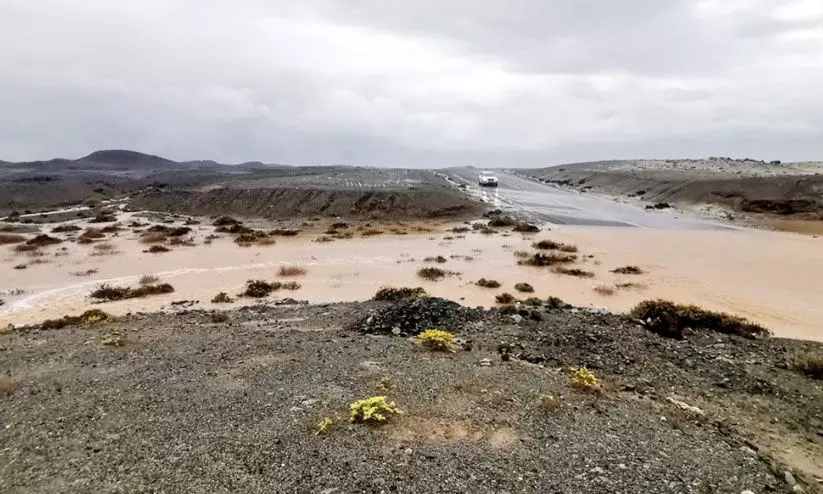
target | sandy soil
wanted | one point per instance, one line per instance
(771, 278)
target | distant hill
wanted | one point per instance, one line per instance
(129, 159)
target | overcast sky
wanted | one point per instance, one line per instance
(412, 82)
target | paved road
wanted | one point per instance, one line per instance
(561, 206)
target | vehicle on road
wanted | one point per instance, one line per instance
(487, 179)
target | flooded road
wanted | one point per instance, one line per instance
(548, 203)
(771, 278)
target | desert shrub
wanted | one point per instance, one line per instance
(573, 272)
(568, 248)
(178, 231)
(323, 239)
(532, 302)
(524, 287)
(460, 229)
(153, 238)
(523, 227)
(291, 271)
(114, 340)
(374, 410)
(43, 240)
(148, 279)
(670, 319)
(25, 248)
(157, 249)
(627, 270)
(222, 298)
(584, 379)
(605, 290)
(249, 238)
(505, 298)
(237, 229)
(390, 294)
(437, 259)
(65, 229)
(436, 340)
(552, 245)
(226, 221)
(20, 266)
(83, 273)
(186, 242)
(371, 232)
(111, 228)
(810, 364)
(218, 317)
(260, 288)
(103, 218)
(104, 249)
(548, 403)
(323, 426)
(291, 285)
(502, 221)
(8, 238)
(539, 259)
(158, 229)
(340, 225)
(556, 303)
(430, 273)
(284, 232)
(488, 283)
(93, 316)
(110, 293)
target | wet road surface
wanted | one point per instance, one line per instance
(552, 204)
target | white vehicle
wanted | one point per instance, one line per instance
(487, 179)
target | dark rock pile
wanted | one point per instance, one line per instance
(415, 316)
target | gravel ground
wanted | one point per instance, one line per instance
(191, 405)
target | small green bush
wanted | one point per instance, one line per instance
(437, 340)
(389, 294)
(488, 283)
(260, 288)
(670, 319)
(584, 379)
(374, 410)
(524, 287)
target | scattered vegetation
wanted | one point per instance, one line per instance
(532, 302)
(291, 271)
(505, 298)
(460, 229)
(157, 249)
(148, 279)
(552, 245)
(585, 380)
(284, 232)
(605, 290)
(8, 238)
(260, 288)
(114, 340)
(389, 294)
(222, 298)
(323, 426)
(523, 227)
(430, 273)
(669, 319)
(340, 225)
(20, 266)
(628, 270)
(65, 229)
(92, 234)
(103, 218)
(437, 259)
(374, 410)
(371, 232)
(218, 317)
(323, 239)
(108, 293)
(43, 240)
(237, 229)
(502, 221)
(552, 259)
(436, 340)
(226, 221)
(556, 303)
(580, 273)
(25, 248)
(93, 316)
(111, 228)
(548, 403)
(104, 249)
(810, 364)
(524, 287)
(488, 283)
(153, 238)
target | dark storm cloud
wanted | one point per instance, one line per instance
(416, 83)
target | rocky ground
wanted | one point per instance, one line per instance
(748, 187)
(230, 402)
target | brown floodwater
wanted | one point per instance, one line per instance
(769, 277)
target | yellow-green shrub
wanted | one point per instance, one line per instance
(437, 340)
(323, 426)
(373, 410)
(584, 379)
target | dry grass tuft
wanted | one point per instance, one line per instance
(110, 293)
(222, 298)
(371, 232)
(605, 290)
(291, 271)
(148, 279)
(579, 273)
(432, 274)
(505, 298)
(669, 319)
(7, 386)
(266, 241)
(157, 249)
(389, 294)
(104, 249)
(83, 273)
(627, 270)
(552, 259)
(488, 283)
(810, 364)
(153, 238)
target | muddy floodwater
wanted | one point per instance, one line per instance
(769, 277)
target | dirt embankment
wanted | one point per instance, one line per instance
(799, 196)
(198, 403)
(290, 202)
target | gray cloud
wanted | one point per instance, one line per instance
(412, 83)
